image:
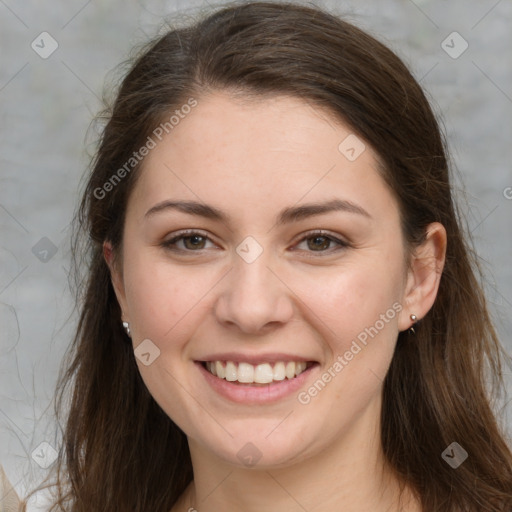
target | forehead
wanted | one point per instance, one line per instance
(255, 152)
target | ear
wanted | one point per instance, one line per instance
(116, 277)
(424, 275)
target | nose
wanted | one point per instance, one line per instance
(253, 297)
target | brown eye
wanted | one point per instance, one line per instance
(190, 242)
(194, 242)
(321, 243)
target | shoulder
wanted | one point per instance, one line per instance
(9, 499)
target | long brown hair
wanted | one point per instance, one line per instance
(120, 451)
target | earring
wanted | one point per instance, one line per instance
(126, 326)
(414, 318)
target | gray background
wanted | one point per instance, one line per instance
(48, 104)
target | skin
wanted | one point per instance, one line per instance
(251, 159)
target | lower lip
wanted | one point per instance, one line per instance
(247, 394)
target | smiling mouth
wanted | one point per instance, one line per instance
(265, 373)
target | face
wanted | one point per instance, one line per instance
(254, 283)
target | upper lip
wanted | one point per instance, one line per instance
(255, 358)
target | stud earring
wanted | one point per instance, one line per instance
(414, 318)
(126, 326)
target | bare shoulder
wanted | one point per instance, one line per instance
(9, 499)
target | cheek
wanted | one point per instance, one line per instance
(356, 317)
(351, 300)
(166, 306)
(161, 298)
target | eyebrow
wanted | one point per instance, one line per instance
(286, 216)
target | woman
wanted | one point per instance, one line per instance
(281, 311)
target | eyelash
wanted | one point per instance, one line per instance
(170, 244)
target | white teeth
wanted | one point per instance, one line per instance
(212, 367)
(299, 368)
(290, 370)
(245, 372)
(262, 373)
(279, 371)
(231, 371)
(219, 369)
